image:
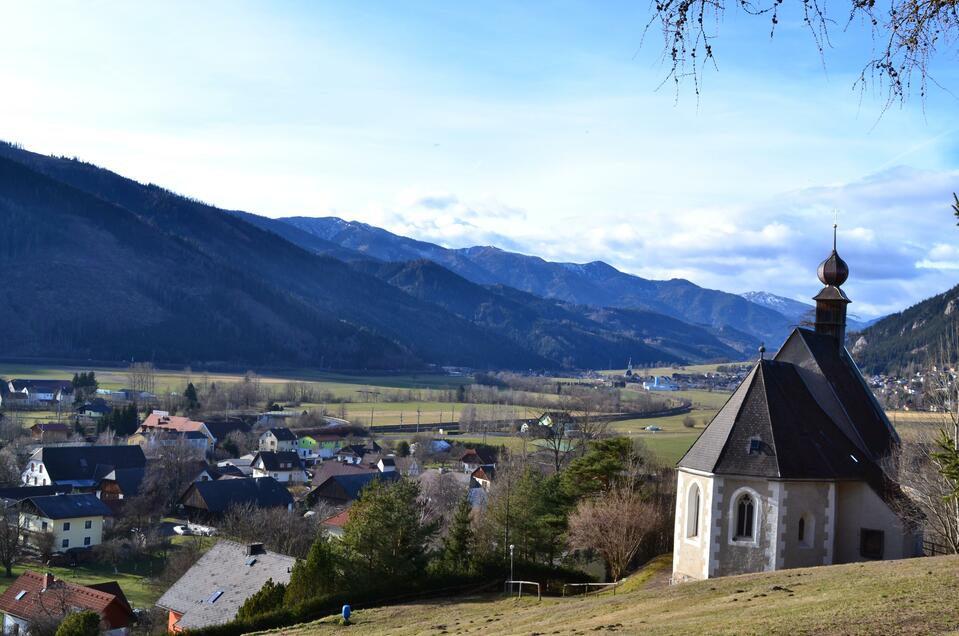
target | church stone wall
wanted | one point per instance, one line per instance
(731, 556)
(859, 507)
(814, 502)
(691, 555)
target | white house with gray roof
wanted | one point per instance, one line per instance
(214, 589)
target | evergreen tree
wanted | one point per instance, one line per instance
(403, 448)
(192, 399)
(458, 544)
(385, 538)
(314, 576)
(599, 467)
(268, 598)
(80, 624)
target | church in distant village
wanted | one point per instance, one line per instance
(790, 472)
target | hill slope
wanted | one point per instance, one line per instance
(597, 284)
(910, 336)
(915, 596)
(99, 266)
(102, 267)
(582, 336)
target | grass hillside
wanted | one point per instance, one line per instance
(915, 596)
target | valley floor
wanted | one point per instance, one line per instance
(916, 596)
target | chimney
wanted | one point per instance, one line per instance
(48, 580)
(253, 549)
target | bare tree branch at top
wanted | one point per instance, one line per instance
(907, 34)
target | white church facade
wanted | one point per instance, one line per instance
(789, 473)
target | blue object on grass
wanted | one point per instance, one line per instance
(346, 612)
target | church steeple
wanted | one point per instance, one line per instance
(831, 301)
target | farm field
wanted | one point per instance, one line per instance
(340, 384)
(881, 597)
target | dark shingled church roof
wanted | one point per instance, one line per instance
(805, 415)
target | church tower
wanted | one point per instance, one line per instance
(831, 301)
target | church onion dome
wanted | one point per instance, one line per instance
(833, 270)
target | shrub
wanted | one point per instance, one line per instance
(80, 624)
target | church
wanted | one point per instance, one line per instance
(789, 473)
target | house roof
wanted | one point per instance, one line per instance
(279, 460)
(338, 520)
(222, 494)
(484, 472)
(159, 419)
(128, 479)
(43, 386)
(19, 493)
(804, 415)
(80, 463)
(99, 405)
(213, 590)
(352, 485)
(331, 468)
(388, 461)
(69, 506)
(43, 595)
(283, 434)
(221, 428)
(473, 456)
(50, 427)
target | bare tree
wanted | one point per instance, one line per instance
(919, 466)
(919, 473)
(142, 377)
(284, 531)
(11, 537)
(617, 523)
(9, 468)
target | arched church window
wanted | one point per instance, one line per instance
(745, 513)
(692, 511)
(802, 529)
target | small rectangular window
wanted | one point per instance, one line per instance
(66, 526)
(86, 540)
(871, 543)
(88, 524)
(43, 525)
(65, 543)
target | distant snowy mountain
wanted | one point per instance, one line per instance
(799, 312)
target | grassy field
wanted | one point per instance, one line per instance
(173, 380)
(916, 596)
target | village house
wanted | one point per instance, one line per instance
(473, 459)
(213, 590)
(154, 440)
(342, 490)
(789, 473)
(74, 520)
(335, 525)
(278, 439)
(39, 392)
(328, 469)
(163, 421)
(42, 598)
(210, 500)
(94, 409)
(284, 466)
(119, 485)
(79, 466)
(50, 431)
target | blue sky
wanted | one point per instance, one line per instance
(538, 127)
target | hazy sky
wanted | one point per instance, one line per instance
(537, 127)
